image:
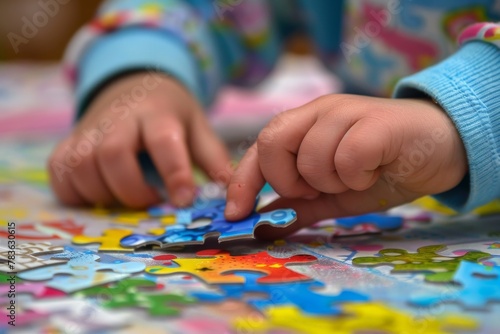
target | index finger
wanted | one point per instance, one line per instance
(245, 184)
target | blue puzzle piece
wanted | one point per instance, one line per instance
(480, 285)
(182, 234)
(300, 294)
(84, 272)
(382, 222)
(185, 215)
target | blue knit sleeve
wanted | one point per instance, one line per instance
(466, 85)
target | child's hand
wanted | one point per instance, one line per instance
(97, 163)
(345, 155)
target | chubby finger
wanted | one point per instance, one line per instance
(89, 183)
(60, 168)
(209, 152)
(118, 164)
(315, 159)
(165, 139)
(245, 184)
(365, 148)
(278, 145)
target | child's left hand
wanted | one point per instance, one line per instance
(343, 155)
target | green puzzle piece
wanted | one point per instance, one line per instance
(129, 293)
(436, 267)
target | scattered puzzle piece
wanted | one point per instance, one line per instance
(300, 294)
(38, 290)
(436, 267)
(84, 272)
(86, 315)
(129, 293)
(214, 267)
(26, 256)
(360, 318)
(52, 230)
(20, 318)
(182, 234)
(480, 285)
(185, 215)
(110, 240)
(382, 222)
(132, 218)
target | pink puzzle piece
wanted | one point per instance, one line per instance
(38, 290)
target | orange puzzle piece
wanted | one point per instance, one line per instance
(215, 267)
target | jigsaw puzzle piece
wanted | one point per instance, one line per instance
(435, 267)
(27, 256)
(37, 290)
(185, 216)
(83, 316)
(180, 234)
(301, 294)
(360, 317)
(216, 267)
(480, 285)
(19, 319)
(382, 222)
(110, 240)
(131, 293)
(83, 272)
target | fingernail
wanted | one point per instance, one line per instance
(184, 196)
(231, 208)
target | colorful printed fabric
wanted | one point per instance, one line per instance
(247, 28)
(488, 32)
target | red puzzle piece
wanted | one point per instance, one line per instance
(215, 267)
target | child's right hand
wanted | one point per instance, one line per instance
(97, 163)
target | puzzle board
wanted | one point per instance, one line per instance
(374, 273)
(339, 263)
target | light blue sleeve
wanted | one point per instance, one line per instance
(130, 49)
(467, 86)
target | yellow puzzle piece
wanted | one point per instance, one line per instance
(133, 218)
(360, 317)
(110, 240)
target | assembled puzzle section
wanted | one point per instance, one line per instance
(217, 267)
(435, 267)
(305, 295)
(27, 256)
(82, 271)
(139, 293)
(187, 232)
(480, 285)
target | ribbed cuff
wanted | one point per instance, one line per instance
(134, 49)
(466, 85)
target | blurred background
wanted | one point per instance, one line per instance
(50, 40)
(52, 36)
(36, 97)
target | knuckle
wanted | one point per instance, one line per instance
(164, 137)
(308, 169)
(348, 160)
(270, 136)
(110, 151)
(267, 138)
(336, 103)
